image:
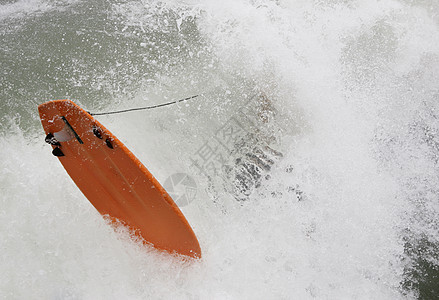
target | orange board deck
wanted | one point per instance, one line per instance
(114, 180)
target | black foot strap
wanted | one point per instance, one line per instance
(50, 139)
(109, 144)
(57, 152)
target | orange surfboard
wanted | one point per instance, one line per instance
(114, 180)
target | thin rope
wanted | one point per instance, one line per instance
(142, 108)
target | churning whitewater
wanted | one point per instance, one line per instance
(307, 166)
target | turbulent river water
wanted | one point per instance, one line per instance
(308, 166)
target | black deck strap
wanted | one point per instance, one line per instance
(73, 130)
(57, 152)
(97, 132)
(109, 144)
(50, 139)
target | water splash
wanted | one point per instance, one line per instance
(350, 211)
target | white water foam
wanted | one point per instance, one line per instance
(355, 87)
